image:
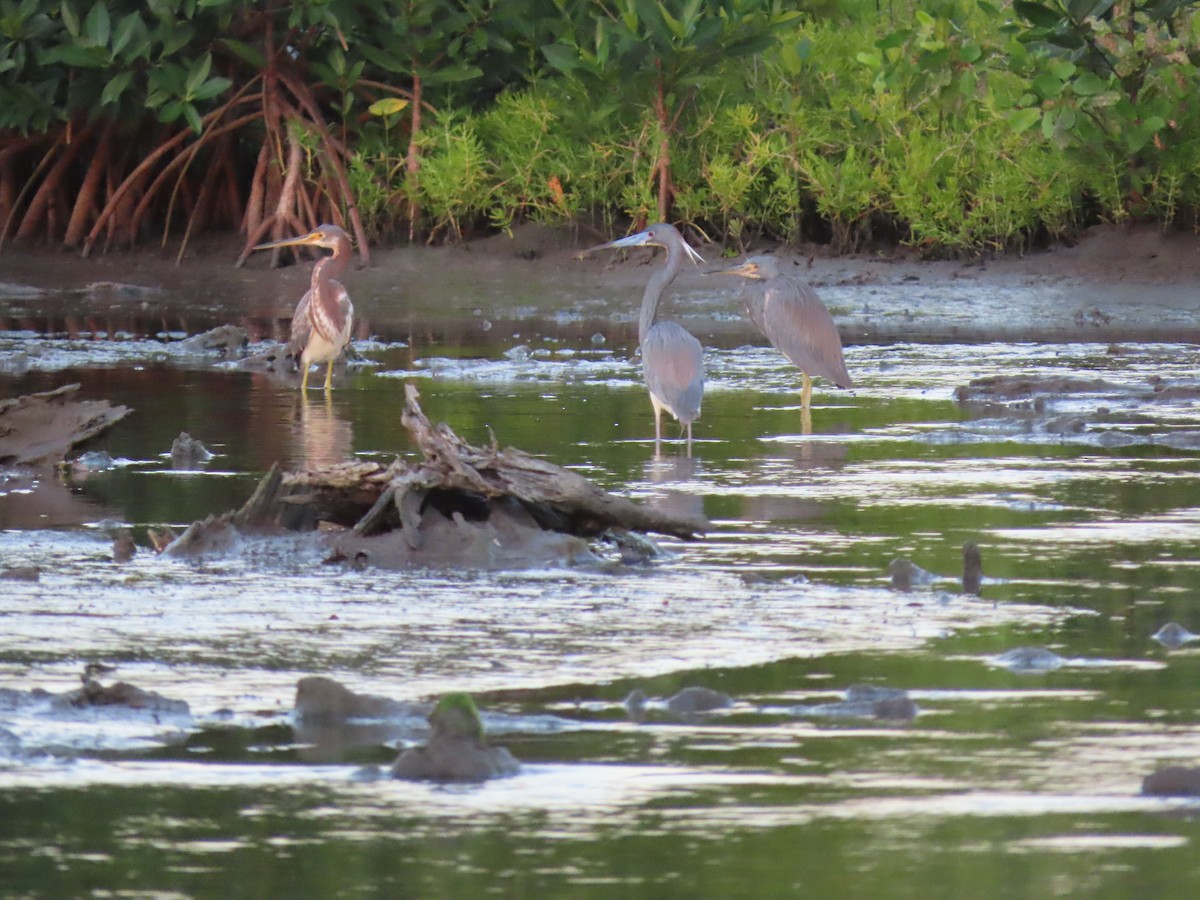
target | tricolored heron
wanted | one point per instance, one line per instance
(672, 359)
(323, 317)
(794, 319)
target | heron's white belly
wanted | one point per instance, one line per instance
(320, 349)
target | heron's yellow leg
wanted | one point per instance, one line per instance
(329, 377)
(806, 421)
(806, 393)
(304, 379)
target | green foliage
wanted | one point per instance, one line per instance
(457, 179)
(958, 127)
(1112, 81)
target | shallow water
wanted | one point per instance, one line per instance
(1007, 783)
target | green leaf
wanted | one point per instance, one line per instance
(1048, 125)
(98, 24)
(892, 41)
(193, 118)
(124, 32)
(70, 19)
(970, 52)
(1062, 69)
(197, 74)
(80, 55)
(385, 60)
(1083, 9)
(871, 60)
(115, 87)
(1088, 84)
(1047, 86)
(212, 88)
(562, 57)
(453, 74)
(171, 111)
(388, 106)
(1037, 14)
(245, 52)
(1023, 119)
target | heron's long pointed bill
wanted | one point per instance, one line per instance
(744, 269)
(634, 240)
(304, 240)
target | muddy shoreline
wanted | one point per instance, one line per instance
(1116, 283)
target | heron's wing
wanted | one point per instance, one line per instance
(796, 321)
(301, 326)
(331, 313)
(673, 362)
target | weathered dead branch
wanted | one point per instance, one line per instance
(40, 429)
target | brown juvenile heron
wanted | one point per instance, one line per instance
(323, 317)
(672, 359)
(794, 319)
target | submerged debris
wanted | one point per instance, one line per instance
(226, 340)
(187, 452)
(1025, 387)
(124, 548)
(93, 693)
(972, 568)
(457, 749)
(687, 702)
(1030, 659)
(21, 573)
(1173, 636)
(1173, 781)
(698, 699)
(864, 701)
(906, 575)
(460, 505)
(40, 429)
(320, 699)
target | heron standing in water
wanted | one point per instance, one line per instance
(323, 317)
(794, 319)
(672, 359)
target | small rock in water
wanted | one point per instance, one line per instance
(906, 575)
(1173, 781)
(1030, 659)
(698, 699)
(92, 461)
(972, 568)
(323, 699)
(517, 353)
(21, 573)
(456, 751)
(123, 546)
(93, 693)
(886, 702)
(598, 339)
(228, 340)
(1173, 636)
(900, 709)
(187, 452)
(635, 703)
(161, 538)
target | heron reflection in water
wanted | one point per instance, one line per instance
(672, 359)
(323, 317)
(320, 437)
(793, 318)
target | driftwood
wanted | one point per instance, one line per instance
(40, 429)
(458, 504)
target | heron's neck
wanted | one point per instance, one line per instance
(654, 291)
(331, 267)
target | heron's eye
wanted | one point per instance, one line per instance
(649, 234)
